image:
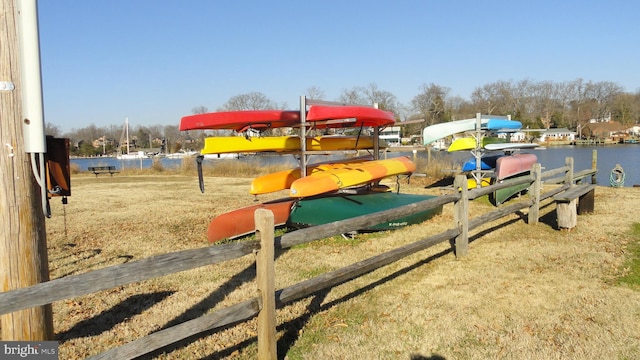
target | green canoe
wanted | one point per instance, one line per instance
(326, 209)
(500, 196)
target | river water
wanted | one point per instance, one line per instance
(628, 156)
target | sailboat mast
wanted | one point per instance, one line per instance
(126, 127)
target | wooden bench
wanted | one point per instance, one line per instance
(574, 201)
(103, 170)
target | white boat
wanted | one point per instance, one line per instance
(222, 156)
(128, 155)
(181, 154)
(132, 156)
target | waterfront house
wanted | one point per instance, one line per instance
(603, 130)
(541, 135)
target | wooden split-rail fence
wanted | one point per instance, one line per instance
(264, 305)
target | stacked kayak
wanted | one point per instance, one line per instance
(442, 130)
(321, 116)
(326, 209)
(349, 176)
(470, 143)
(512, 167)
(282, 180)
(328, 191)
(242, 144)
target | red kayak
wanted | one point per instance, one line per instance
(359, 116)
(322, 117)
(240, 120)
(510, 165)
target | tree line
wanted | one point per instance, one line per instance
(537, 104)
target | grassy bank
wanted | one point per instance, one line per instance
(524, 291)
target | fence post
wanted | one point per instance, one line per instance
(23, 236)
(594, 165)
(265, 277)
(568, 176)
(534, 209)
(461, 216)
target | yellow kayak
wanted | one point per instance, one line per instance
(241, 144)
(283, 179)
(472, 183)
(469, 143)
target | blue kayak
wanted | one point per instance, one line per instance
(498, 124)
(487, 162)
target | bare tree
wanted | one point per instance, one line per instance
(458, 108)
(546, 101)
(52, 130)
(353, 96)
(626, 108)
(495, 98)
(172, 137)
(200, 110)
(430, 103)
(249, 101)
(315, 93)
(603, 93)
(385, 99)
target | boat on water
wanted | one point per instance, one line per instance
(181, 154)
(132, 156)
(125, 141)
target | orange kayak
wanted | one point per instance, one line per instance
(283, 179)
(241, 222)
(351, 175)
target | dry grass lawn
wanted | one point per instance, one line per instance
(523, 292)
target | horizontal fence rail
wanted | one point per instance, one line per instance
(166, 264)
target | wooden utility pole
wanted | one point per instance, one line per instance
(23, 250)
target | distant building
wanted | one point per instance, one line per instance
(633, 131)
(392, 135)
(541, 135)
(102, 142)
(602, 130)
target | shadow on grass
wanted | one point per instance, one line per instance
(550, 218)
(81, 257)
(106, 320)
(422, 357)
(290, 330)
(448, 181)
(246, 275)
